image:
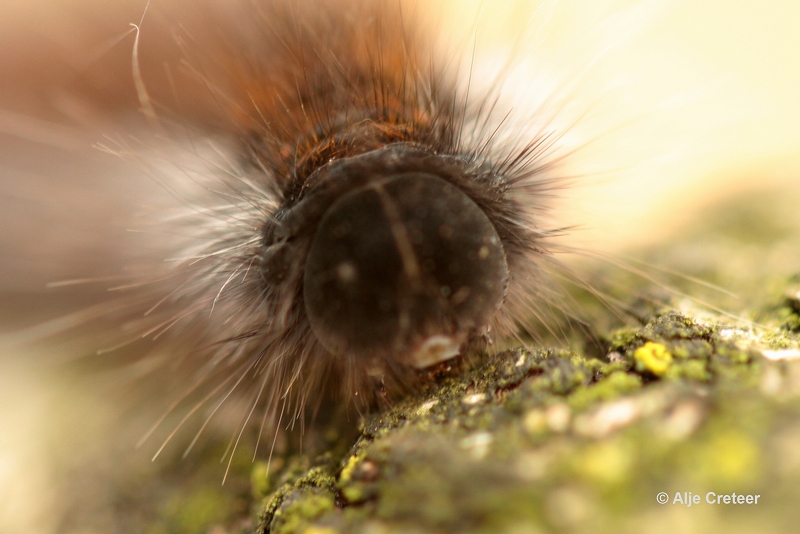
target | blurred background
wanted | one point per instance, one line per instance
(684, 118)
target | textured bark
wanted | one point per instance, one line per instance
(548, 440)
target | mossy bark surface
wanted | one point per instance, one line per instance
(545, 440)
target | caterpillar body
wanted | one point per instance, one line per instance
(349, 217)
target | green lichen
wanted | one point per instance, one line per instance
(614, 385)
(283, 510)
(298, 513)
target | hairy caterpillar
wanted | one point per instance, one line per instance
(366, 219)
(219, 95)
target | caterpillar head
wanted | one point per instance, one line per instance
(398, 262)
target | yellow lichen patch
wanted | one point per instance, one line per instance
(347, 471)
(654, 357)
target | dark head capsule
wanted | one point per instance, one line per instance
(399, 261)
